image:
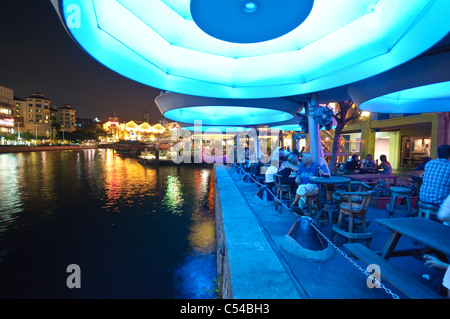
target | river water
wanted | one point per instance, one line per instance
(134, 231)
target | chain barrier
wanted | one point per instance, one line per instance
(349, 259)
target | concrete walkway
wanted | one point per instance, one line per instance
(334, 279)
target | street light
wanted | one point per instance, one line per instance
(18, 131)
(35, 126)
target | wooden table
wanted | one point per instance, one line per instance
(328, 183)
(367, 170)
(371, 178)
(428, 232)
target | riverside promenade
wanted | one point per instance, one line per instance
(252, 264)
(19, 149)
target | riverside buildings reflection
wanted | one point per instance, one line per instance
(134, 231)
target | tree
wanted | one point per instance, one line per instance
(347, 111)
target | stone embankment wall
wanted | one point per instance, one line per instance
(246, 263)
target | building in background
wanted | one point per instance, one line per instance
(404, 138)
(37, 115)
(134, 130)
(65, 118)
(19, 109)
(6, 111)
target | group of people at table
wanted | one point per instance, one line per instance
(297, 172)
(435, 189)
(368, 165)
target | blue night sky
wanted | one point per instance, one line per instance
(38, 55)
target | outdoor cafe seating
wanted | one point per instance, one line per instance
(283, 194)
(353, 210)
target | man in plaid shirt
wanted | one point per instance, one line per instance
(436, 179)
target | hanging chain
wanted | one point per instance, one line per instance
(349, 259)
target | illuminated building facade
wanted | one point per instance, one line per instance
(65, 117)
(37, 115)
(6, 107)
(133, 130)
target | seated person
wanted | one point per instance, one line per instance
(351, 165)
(384, 167)
(436, 178)
(273, 169)
(306, 169)
(369, 162)
(257, 168)
(324, 168)
(421, 166)
(287, 169)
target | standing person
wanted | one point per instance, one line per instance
(436, 178)
(385, 166)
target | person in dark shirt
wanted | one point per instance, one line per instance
(421, 166)
(289, 166)
(352, 165)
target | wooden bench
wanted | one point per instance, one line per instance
(394, 275)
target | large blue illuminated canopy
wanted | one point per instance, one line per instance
(293, 125)
(418, 86)
(210, 129)
(159, 43)
(252, 21)
(424, 99)
(229, 112)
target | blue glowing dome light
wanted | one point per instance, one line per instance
(423, 99)
(224, 112)
(210, 129)
(248, 21)
(159, 44)
(293, 125)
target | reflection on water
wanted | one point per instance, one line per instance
(174, 195)
(135, 231)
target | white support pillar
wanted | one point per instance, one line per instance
(315, 146)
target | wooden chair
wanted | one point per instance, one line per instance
(427, 210)
(256, 175)
(358, 186)
(283, 194)
(351, 209)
